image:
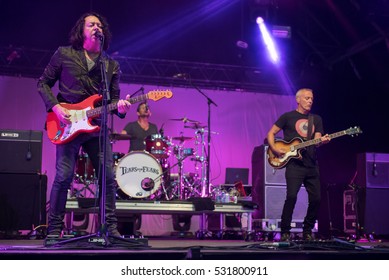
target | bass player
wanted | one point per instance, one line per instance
(300, 171)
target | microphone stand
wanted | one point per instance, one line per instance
(206, 185)
(205, 192)
(106, 98)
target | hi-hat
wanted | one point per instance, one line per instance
(118, 136)
(182, 138)
(185, 120)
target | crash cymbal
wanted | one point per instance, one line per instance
(185, 120)
(118, 136)
(195, 125)
(182, 138)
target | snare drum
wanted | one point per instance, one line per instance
(139, 174)
(158, 146)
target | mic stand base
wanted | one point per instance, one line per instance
(93, 241)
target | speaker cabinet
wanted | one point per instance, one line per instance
(376, 218)
(269, 189)
(262, 171)
(263, 175)
(21, 151)
(373, 183)
(274, 202)
(22, 201)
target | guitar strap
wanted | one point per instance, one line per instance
(109, 67)
(311, 158)
(310, 127)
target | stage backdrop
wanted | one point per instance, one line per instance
(239, 122)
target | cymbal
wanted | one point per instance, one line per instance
(195, 125)
(185, 120)
(182, 138)
(118, 136)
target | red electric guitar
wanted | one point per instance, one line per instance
(82, 113)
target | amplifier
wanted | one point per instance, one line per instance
(22, 201)
(21, 151)
(373, 170)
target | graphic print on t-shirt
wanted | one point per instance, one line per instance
(302, 127)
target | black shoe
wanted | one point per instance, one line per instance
(114, 232)
(285, 237)
(54, 233)
(307, 236)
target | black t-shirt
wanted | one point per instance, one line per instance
(295, 124)
(138, 135)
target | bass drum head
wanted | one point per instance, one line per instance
(139, 174)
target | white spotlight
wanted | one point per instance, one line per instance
(268, 40)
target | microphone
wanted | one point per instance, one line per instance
(180, 75)
(99, 35)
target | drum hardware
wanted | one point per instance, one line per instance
(201, 157)
(195, 125)
(84, 174)
(158, 146)
(182, 138)
(185, 120)
(183, 187)
(119, 137)
(116, 157)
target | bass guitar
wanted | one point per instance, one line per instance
(293, 148)
(82, 113)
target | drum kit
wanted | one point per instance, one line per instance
(147, 174)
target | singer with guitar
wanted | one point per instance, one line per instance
(300, 171)
(77, 69)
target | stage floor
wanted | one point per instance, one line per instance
(180, 248)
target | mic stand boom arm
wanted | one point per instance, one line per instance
(205, 192)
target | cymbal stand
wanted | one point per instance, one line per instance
(180, 158)
(165, 170)
(202, 158)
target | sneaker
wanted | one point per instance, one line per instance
(285, 237)
(307, 236)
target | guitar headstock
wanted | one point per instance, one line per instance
(159, 94)
(353, 130)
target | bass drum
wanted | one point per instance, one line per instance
(139, 174)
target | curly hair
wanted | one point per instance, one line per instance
(77, 32)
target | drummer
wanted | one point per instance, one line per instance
(139, 130)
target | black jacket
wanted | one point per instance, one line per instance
(69, 67)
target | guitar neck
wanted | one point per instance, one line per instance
(114, 105)
(318, 140)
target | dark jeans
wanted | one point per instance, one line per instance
(296, 175)
(65, 164)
